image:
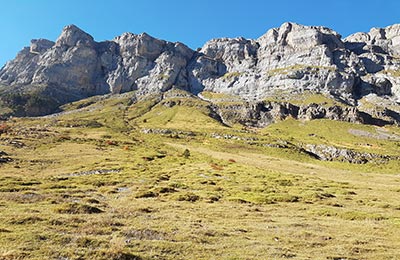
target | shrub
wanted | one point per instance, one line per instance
(191, 197)
(76, 208)
(231, 75)
(110, 142)
(148, 158)
(186, 153)
(30, 104)
(216, 167)
(4, 128)
(146, 194)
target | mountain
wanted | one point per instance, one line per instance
(284, 147)
(361, 71)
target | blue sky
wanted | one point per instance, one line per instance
(187, 21)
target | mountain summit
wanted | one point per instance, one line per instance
(288, 60)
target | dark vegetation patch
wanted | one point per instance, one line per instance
(144, 234)
(26, 220)
(30, 103)
(77, 208)
(189, 196)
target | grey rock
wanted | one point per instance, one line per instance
(169, 70)
(379, 52)
(237, 54)
(290, 59)
(20, 70)
(339, 113)
(67, 70)
(72, 36)
(386, 40)
(332, 153)
(76, 67)
(39, 46)
(261, 114)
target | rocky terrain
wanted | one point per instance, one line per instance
(361, 72)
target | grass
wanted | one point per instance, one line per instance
(336, 133)
(298, 67)
(232, 75)
(393, 73)
(190, 114)
(77, 189)
(304, 98)
(220, 97)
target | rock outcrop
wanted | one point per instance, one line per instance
(262, 114)
(76, 67)
(290, 59)
(379, 53)
(255, 114)
(331, 153)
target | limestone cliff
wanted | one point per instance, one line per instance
(290, 59)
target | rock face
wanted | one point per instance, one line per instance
(76, 67)
(290, 59)
(255, 114)
(262, 114)
(379, 52)
(331, 153)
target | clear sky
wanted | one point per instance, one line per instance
(192, 22)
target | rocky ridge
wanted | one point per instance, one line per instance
(290, 59)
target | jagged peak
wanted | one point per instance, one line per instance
(146, 35)
(227, 39)
(71, 35)
(385, 33)
(72, 27)
(322, 29)
(394, 27)
(358, 37)
(291, 26)
(294, 34)
(293, 57)
(132, 37)
(382, 33)
(39, 46)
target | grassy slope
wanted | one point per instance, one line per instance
(230, 199)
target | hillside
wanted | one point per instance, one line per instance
(163, 178)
